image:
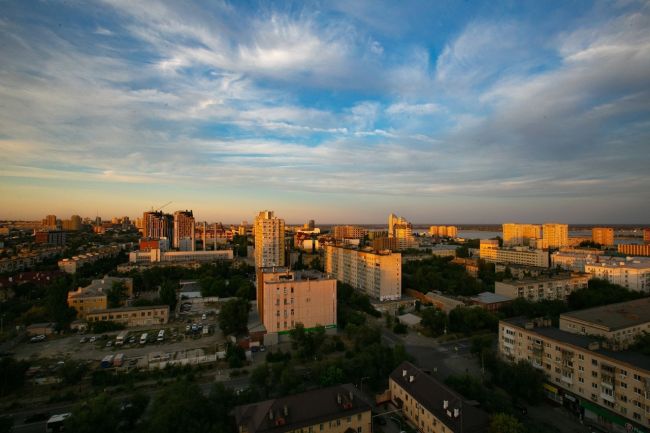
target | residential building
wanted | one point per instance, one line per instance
(443, 231)
(444, 250)
(73, 224)
(603, 236)
(52, 237)
(156, 225)
(402, 230)
(442, 302)
(72, 264)
(520, 234)
(336, 409)
(376, 273)
(575, 260)
(634, 249)
(430, 405)
(470, 265)
(555, 235)
(605, 387)
(50, 222)
(269, 240)
(160, 256)
(646, 235)
(490, 301)
(632, 273)
(46, 328)
(184, 231)
(94, 296)
(620, 324)
(286, 298)
(349, 232)
(132, 316)
(544, 287)
(491, 252)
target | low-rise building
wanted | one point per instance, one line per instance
(159, 256)
(442, 302)
(94, 296)
(620, 324)
(286, 298)
(73, 264)
(491, 252)
(632, 273)
(132, 316)
(336, 409)
(490, 301)
(376, 273)
(575, 260)
(470, 265)
(604, 387)
(430, 405)
(545, 287)
(40, 329)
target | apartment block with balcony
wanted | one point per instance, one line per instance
(544, 287)
(608, 388)
(491, 252)
(632, 273)
(375, 273)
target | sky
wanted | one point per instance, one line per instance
(338, 111)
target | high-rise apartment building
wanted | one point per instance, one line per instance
(556, 235)
(157, 225)
(402, 230)
(285, 298)
(603, 235)
(634, 249)
(50, 222)
(443, 231)
(376, 273)
(184, 230)
(520, 234)
(269, 240)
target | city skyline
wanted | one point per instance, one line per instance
(335, 111)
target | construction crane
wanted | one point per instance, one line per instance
(160, 207)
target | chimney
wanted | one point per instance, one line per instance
(286, 410)
(271, 415)
(338, 398)
(411, 378)
(445, 404)
(456, 413)
(351, 396)
(403, 373)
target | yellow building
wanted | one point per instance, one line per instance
(490, 251)
(611, 388)
(603, 235)
(336, 409)
(93, 297)
(556, 287)
(349, 232)
(285, 298)
(430, 405)
(269, 240)
(634, 249)
(520, 234)
(376, 273)
(132, 316)
(555, 235)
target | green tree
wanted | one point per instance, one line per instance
(168, 294)
(116, 294)
(97, 415)
(6, 424)
(434, 321)
(133, 409)
(57, 304)
(331, 376)
(233, 318)
(12, 375)
(504, 423)
(72, 371)
(260, 379)
(181, 407)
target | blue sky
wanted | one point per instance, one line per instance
(338, 111)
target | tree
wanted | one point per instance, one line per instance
(504, 423)
(600, 292)
(168, 294)
(57, 304)
(235, 355)
(116, 294)
(72, 371)
(260, 379)
(233, 318)
(331, 376)
(133, 409)
(434, 321)
(97, 415)
(181, 407)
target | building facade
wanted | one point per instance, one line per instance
(184, 231)
(555, 235)
(286, 298)
(604, 387)
(575, 260)
(132, 316)
(430, 405)
(349, 232)
(632, 273)
(336, 409)
(159, 256)
(556, 287)
(520, 234)
(157, 225)
(634, 249)
(376, 273)
(491, 252)
(603, 235)
(269, 240)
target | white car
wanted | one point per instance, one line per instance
(93, 339)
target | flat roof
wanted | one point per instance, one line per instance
(126, 309)
(630, 357)
(432, 394)
(302, 410)
(615, 316)
(490, 298)
(546, 278)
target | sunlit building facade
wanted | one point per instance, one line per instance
(520, 234)
(269, 240)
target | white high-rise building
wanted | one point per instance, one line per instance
(269, 240)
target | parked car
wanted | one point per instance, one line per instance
(109, 343)
(37, 338)
(203, 317)
(262, 348)
(83, 340)
(93, 339)
(132, 339)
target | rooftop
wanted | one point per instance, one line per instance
(284, 274)
(127, 309)
(635, 359)
(490, 298)
(545, 278)
(432, 395)
(300, 410)
(615, 316)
